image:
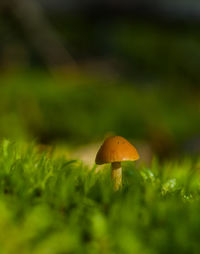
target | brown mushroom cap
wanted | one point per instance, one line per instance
(116, 149)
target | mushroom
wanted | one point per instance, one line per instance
(114, 150)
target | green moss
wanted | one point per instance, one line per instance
(48, 205)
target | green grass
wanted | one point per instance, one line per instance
(54, 206)
(80, 109)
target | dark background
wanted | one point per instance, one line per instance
(73, 72)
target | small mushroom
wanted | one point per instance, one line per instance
(114, 150)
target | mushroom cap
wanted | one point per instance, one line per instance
(116, 149)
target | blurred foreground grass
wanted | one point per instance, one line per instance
(53, 205)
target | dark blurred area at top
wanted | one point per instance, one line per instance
(185, 10)
(72, 71)
(131, 37)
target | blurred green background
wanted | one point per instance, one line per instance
(73, 73)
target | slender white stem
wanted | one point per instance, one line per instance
(116, 175)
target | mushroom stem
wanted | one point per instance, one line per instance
(116, 175)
